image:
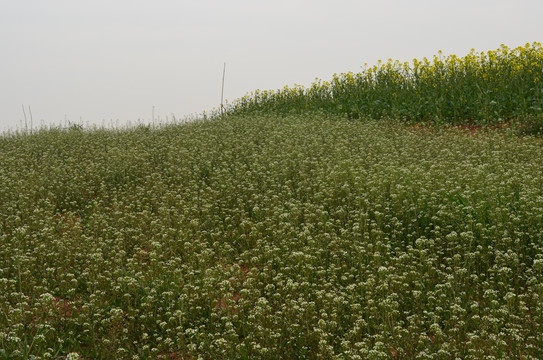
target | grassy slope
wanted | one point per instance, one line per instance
(263, 236)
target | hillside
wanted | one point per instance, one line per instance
(265, 236)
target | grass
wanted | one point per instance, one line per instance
(261, 236)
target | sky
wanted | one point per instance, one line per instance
(111, 63)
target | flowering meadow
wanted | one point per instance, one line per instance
(266, 237)
(484, 87)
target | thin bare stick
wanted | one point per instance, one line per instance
(222, 90)
(31, 120)
(24, 113)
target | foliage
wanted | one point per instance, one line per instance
(531, 125)
(264, 237)
(483, 87)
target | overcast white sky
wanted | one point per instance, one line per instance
(99, 61)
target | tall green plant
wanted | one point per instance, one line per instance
(481, 86)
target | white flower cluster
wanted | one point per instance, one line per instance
(297, 237)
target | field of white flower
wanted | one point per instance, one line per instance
(266, 237)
